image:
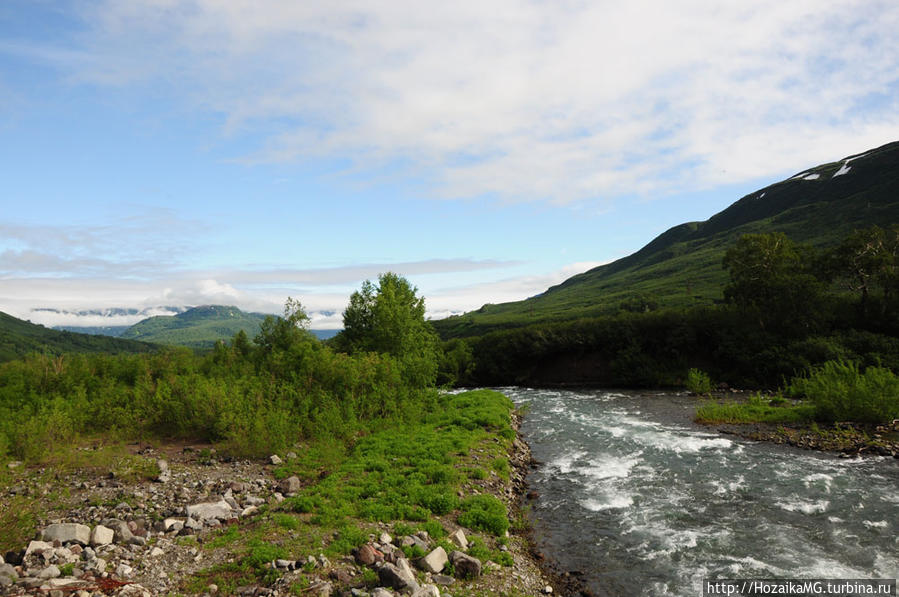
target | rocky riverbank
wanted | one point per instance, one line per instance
(847, 439)
(99, 533)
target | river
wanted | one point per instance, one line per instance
(642, 501)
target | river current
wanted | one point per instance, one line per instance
(641, 501)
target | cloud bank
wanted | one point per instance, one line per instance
(520, 100)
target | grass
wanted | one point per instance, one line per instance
(755, 410)
(407, 474)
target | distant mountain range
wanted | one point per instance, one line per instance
(682, 266)
(18, 338)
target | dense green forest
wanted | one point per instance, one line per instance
(788, 307)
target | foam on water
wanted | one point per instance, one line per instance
(634, 496)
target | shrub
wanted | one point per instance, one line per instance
(484, 513)
(698, 382)
(841, 392)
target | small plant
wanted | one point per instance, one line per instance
(286, 521)
(698, 382)
(66, 569)
(477, 473)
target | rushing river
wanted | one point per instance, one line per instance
(644, 502)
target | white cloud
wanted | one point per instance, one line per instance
(561, 100)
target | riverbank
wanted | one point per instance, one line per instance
(777, 421)
(155, 519)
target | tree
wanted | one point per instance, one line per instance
(865, 260)
(770, 278)
(282, 341)
(390, 319)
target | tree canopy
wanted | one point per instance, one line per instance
(389, 318)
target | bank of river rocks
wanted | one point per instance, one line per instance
(147, 537)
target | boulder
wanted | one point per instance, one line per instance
(49, 572)
(67, 532)
(398, 576)
(289, 485)
(427, 591)
(102, 535)
(219, 510)
(381, 592)
(34, 546)
(465, 565)
(8, 575)
(459, 539)
(368, 555)
(434, 561)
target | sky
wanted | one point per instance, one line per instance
(171, 153)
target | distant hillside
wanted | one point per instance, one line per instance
(682, 266)
(18, 338)
(115, 331)
(199, 327)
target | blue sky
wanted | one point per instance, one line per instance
(169, 153)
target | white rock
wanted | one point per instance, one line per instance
(547, 590)
(434, 561)
(249, 511)
(156, 552)
(37, 546)
(101, 535)
(49, 572)
(220, 510)
(67, 532)
(275, 459)
(427, 591)
(459, 539)
(124, 570)
(385, 539)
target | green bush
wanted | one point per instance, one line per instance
(698, 382)
(484, 513)
(840, 391)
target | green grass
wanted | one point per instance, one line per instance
(756, 410)
(841, 391)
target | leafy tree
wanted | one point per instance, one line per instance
(771, 278)
(390, 318)
(282, 340)
(867, 260)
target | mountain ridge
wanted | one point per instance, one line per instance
(682, 266)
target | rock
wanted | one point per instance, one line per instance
(434, 561)
(291, 456)
(124, 570)
(122, 534)
(165, 473)
(465, 565)
(385, 539)
(275, 459)
(49, 572)
(156, 552)
(14, 557)
(427, 591)
(398, 576)
(547, 590)
(381, 592)
(8, 575)
(248, 511)
(289, 485)
(459, 539)
(220, 510)
(442, 579)
(368, 555)
(34, 547)
(252, 500)
(67, 532)
(172, 524)
(101, 535)
(320, 589)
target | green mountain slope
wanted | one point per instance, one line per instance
(18, 338)
(682, 266)
(199, 327)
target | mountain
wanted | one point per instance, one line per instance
(97, 330)
(682, 266)
(198, 327)
(18, 338)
